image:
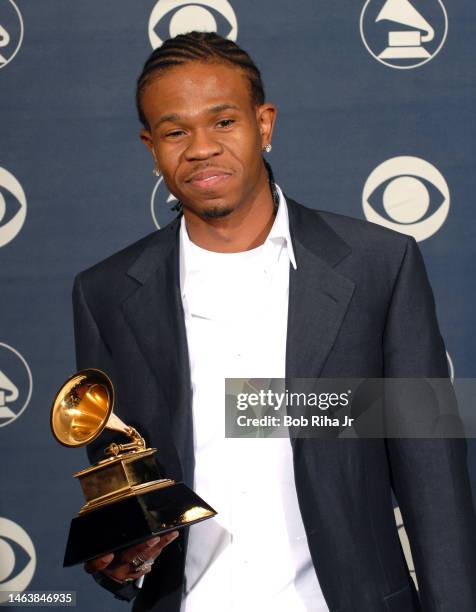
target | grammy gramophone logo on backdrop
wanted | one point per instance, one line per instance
(169, 19)
(16, 384)
(403, 33)
(161, 204)
(11, 31)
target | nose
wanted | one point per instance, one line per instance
(202, 146)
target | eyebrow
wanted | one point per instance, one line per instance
(212, 111)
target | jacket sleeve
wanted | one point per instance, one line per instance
(92, 352)
(429, 476)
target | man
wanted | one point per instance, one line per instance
(302, 527)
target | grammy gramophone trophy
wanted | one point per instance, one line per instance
(127, 498)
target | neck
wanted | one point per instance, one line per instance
(245, 228)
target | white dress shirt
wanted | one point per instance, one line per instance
(253, 556)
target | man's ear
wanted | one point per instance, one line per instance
(146, 138)
(266, 118)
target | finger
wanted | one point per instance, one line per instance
(165, 540)
(147, 569)
(125, 571)
(140, 549)
(149, 549)
(124, 567)
(96, 565)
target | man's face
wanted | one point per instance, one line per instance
(206, 136)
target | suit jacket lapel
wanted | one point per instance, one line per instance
(318, 294)
(318, 300)
(154, 312)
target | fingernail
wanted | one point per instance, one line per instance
(153, 541)
(173, 535)
(106, 560)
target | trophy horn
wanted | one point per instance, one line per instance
(83, 408)
(129, 499)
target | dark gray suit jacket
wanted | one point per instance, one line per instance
(360, 305)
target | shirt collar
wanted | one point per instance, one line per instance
(280, 230)
(279, 235)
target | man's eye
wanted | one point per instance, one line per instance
(175, 133)
(226, 122)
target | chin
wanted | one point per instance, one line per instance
(216, 212)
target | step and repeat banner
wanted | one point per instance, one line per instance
(376, 120)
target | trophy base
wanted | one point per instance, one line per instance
(132, 520)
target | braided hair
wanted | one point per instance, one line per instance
(198, 47)
(202, 47)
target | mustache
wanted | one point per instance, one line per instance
(202, 167)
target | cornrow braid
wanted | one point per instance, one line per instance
(198, 47)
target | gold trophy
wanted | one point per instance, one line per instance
(127, 498)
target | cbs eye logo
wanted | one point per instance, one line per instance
(17, 558)
(11, 31)
(161, 204)
(403, 33)
(12, 207)
(169, 19)
(407, 194)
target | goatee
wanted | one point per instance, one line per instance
(216, 212)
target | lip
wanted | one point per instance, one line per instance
(208, 178)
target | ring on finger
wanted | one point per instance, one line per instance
(144, 566)
(138, 561)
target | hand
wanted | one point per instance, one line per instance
(121, 566)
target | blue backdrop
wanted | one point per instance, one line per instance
(376, 119)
